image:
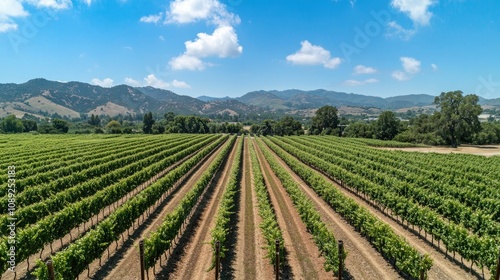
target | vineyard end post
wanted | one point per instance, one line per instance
(217, 259)
(277, 265)
(422, 272)
(341, 259)
(497, 275)
(50, 266)
(141, 258)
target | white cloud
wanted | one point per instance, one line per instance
(12, 8)
(410, 65)
(151, 18)
(223, 42)
(186, 62)
(132, 82)
(360, 83)
(88, 2)
(361, 69)
(400, 75)
(103, 83)
(161, 38)
(187, 11)
(52, 4)
(313, 55)
(152, 81)
(434, 67)
(180, 84)
(396, 30)
(417, 10)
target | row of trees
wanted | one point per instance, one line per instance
(456, 121)
(286, 126)
(11, 124)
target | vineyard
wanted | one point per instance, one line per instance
(183, 206)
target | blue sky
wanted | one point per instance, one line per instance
(230, 47)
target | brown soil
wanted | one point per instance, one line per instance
(303, 257)
(250, 254)
(125, 264)
(363, 261)
(444, 267)
(193, 254)
(489, 150)
(23, 268)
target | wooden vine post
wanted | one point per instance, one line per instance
(277, 265)
(141, 258)
(50, 267)
(217, 259)
(341, 259)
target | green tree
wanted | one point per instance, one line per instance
(94, 120)
(458, 117)
(114, 127)
(11, 124)
(61, 126)
(325, 121)
(387, 126)
(148, 123)
(169, 117)
(29, 125)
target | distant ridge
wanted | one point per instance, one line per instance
(42, 97)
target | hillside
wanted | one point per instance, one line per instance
(41, 97)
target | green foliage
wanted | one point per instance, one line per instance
(160, 240)
(387, 126)
(61, 126)
(114, 127)
(324, 238)
(458, 117)
(391, 245)
(325, 121)
(11, 124)
(94, 120)
(148, 123)
(269, 225)
(224, 216)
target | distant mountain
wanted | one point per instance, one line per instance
(209, 98)
(41, 97)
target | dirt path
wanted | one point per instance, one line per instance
(485, 150)
(124, 264)
(363, 261)
(22, 268)
(303, 255)
(250, 255)
(443, 268)
(195, 256)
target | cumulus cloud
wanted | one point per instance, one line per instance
(188, 11)
(361, 69)
(52, 4)
(313, 55)
(180, 84)
(186, 62)
(153, 81)
(417, 10)
(223, 42)
(360, 83)
(10, 9)
(400, 75)
(103, 83)
(151, 18)
(132, 82)
(411, 67)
